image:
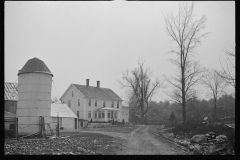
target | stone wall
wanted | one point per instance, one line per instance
(95, 125)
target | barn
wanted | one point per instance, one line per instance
(10, 97)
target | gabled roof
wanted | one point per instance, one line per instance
(10, 91)
(35, 65)
(62, 110)
(98, 93)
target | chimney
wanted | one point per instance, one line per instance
(87, 82)
(98, 84)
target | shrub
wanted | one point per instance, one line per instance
(117, 123)
(192, 129)
(231, 138)
(172, 123)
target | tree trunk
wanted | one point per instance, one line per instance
(183, 97)
(215, 108)
(194, 112)
(184, 110)
(142, 118)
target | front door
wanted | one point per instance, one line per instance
(112, 114)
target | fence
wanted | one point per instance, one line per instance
(44, 129)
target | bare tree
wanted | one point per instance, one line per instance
(139, 83)
(228, 72)
(187, 33)
(54, 99)
(216, 85)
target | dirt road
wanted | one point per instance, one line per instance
(143, 140)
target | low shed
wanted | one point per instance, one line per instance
(65, 114)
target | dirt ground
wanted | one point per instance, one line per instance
(143, 140)
(70, 143)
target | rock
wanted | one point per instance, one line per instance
(221, 138)
(211, 136)
(198, 139)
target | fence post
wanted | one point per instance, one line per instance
(43, 125)
(40, 126)
(57, 125)
(16, 127)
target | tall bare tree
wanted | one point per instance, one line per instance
(228, 72)
(187, 34)
(216, 85)
(141, 86)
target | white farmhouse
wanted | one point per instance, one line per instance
(96, 103)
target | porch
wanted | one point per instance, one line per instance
(106, 114)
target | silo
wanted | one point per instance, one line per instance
(34, 96)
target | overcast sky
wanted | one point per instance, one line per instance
(99, 40)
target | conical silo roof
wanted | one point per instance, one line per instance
(35, 65)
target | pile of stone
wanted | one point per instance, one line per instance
(211, 137)
(203, 144)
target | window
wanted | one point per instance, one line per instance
(103, 115)
(78, 114)
(72, 93)
(112, 104)
(99, 114)
(117, 104)
(69, 103)
(96, 103)
(89, 103)
(115, 114)
(104, 104)
(78, 102)
(89, 114)
(108, 114)
(95, 114)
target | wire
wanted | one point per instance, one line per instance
(36, 123)
(15, 80)
(56, 89)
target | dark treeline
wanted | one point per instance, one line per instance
(197, 110)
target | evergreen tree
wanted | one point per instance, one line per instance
(172, 116)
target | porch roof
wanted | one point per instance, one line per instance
(110, 109)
